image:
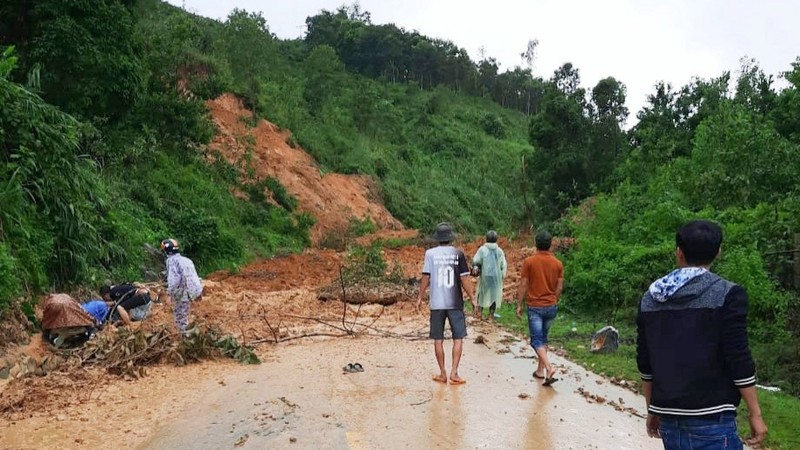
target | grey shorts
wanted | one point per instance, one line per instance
(140, 312)
(458, 323)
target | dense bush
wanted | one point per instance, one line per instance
(626, 238)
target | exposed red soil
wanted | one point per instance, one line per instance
(333, 199)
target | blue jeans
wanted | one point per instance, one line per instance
(689, 433)
(539, 321)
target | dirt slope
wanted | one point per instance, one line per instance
(331, 198)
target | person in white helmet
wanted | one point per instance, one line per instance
(183, 284)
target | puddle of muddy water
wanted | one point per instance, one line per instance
(304, 401)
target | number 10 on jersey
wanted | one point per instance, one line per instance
(446, 276)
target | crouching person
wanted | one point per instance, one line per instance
(132, 304)
(64, 323)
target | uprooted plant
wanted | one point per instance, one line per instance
(129, 352)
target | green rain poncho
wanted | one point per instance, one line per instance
(492, 262)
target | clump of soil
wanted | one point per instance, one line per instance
(14, 326)
(54, 392)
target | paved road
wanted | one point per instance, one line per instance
(302, 400)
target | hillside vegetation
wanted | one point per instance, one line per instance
(104, 133)
(107, 130)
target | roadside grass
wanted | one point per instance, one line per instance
(781, 412)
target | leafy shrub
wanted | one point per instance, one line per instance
(493, 125)
(365, 264)
(281, 195)
(202, 238)
(9, 283)
(361, 227)
(604, 278)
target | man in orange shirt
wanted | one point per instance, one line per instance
(540, 286)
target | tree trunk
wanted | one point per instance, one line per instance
(796, 261)
(524, 183)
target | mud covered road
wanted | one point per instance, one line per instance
(303, 400)
(299, 397)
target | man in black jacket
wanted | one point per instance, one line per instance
(692, 350)
(133, 304)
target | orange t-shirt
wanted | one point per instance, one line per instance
(543, 270)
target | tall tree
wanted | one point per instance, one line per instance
(529, 55)
(608, 139)
(323, 71)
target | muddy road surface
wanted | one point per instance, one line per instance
(299, 397)
(304, 400)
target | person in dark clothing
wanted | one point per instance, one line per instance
(133, 304)
(692, 350)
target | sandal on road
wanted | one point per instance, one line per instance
(549, 381)
(358, 367)
(536, 375)
(458, 381)
(350, 368)
(439, 379)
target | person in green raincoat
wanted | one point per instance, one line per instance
(490, 265)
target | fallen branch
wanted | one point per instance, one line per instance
(300, 336)
(344, 298)
(355, 319)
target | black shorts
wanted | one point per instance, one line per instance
(135, 301)
(458, 323)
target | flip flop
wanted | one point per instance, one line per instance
(440, 379)
(462, 381)
(549, 381)
(536, 375)
(349, 369)
(358, 367)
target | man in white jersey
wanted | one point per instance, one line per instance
(447, 273)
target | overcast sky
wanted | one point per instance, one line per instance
(637, 41)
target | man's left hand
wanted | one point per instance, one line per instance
(652, 426)
(758, 430)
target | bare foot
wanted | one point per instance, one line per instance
(455, 379)
(440, 378)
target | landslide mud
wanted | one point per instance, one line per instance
(303, 400)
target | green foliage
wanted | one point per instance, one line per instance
(733, 161)
(361, 227)
(609, 277)
(86, 50)
(67, 219)
(279, 193)
(366, 265)
(493, 125)
(9, 283)
(714, 157)
(49, 185)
